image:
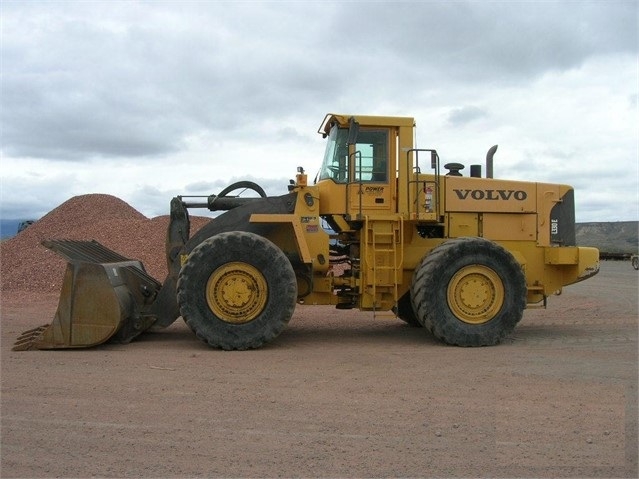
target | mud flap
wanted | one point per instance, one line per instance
(104, 295)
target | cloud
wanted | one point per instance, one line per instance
(499, 42)
(466, 114)
(186, 97)
(109, 85)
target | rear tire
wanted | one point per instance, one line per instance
(469, 292)
(404, 311)
(635, 262)
(237, 290)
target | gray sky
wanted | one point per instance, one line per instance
(148, 100)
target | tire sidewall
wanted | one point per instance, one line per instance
(404, 311)
(251, 249)
(430, 294)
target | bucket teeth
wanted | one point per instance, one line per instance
(27, 340)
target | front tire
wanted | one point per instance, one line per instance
(237, 290)
(469, 292)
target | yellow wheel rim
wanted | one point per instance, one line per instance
(475, 294)
(236, 292)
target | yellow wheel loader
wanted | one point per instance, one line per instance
(380, 229)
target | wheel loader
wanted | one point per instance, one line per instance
(380, 229)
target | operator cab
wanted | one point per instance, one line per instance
(359, 170)
(360, 157)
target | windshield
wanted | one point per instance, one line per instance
(370, 156)
(335, 164)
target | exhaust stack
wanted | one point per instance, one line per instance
(489, 161)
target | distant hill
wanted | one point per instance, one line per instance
(613, 237)
(9, 228)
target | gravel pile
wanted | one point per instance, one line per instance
(26, 265)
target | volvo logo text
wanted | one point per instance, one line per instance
(518, 195)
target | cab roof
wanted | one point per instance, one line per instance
(342, 120)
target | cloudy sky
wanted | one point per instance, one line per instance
(146, 100)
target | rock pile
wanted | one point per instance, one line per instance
(26, 265)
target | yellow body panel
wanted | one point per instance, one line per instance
(508, 226)
(463, 224)
(485, 195)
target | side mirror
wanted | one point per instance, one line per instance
(353, 131)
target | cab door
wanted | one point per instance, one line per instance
(370, 189)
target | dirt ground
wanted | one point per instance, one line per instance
(338, 394)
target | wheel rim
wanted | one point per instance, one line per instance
(236, 292)
(475, 294)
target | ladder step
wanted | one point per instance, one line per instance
(385, 247)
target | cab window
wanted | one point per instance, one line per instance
(371, 156)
